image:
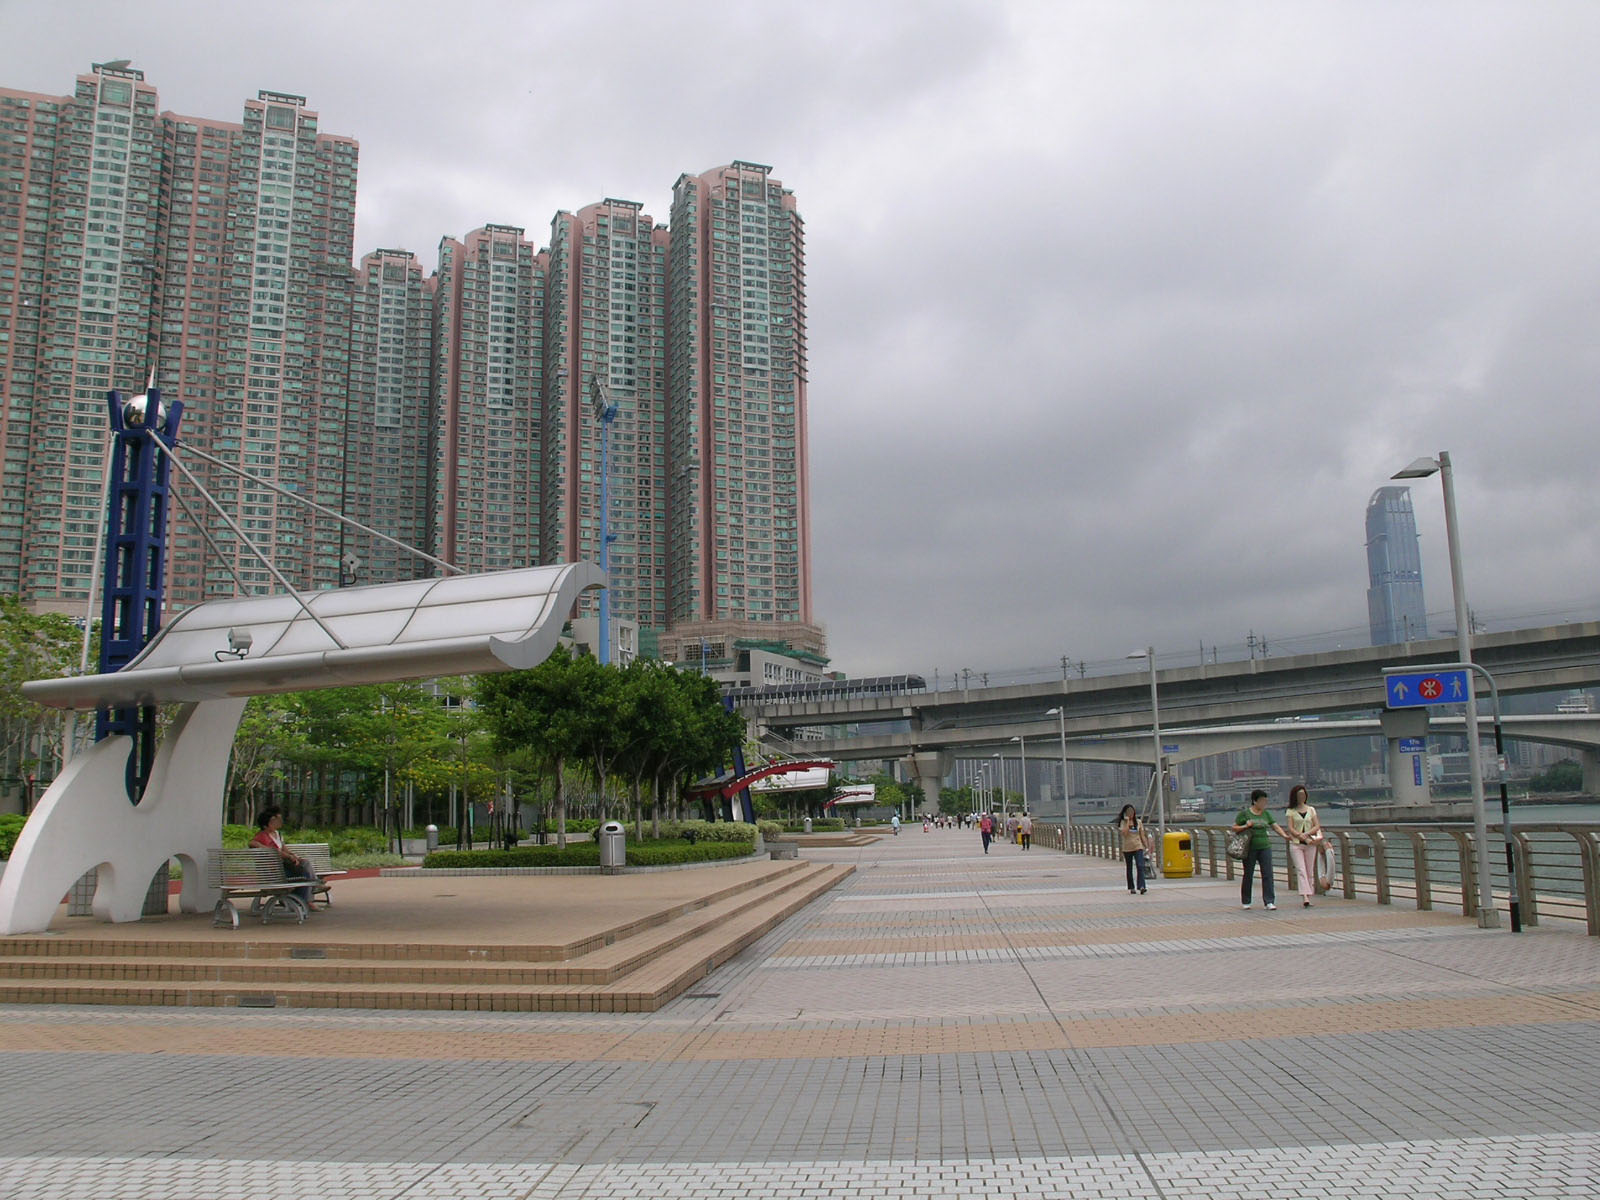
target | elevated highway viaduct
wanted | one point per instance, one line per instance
(935, 727)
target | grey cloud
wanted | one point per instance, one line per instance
(1118, 313)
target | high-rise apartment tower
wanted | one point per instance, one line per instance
(605, 323)
(739, 543)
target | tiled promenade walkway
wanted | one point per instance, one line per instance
(942, 1024)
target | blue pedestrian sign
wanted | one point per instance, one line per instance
(1419, 689)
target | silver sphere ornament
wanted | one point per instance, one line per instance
(136, 413)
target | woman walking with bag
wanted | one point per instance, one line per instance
(1258, 825)
(1134, 844)
(1305, 839)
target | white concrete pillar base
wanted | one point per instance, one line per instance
(84, 821)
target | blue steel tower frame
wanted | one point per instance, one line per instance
(135, 560)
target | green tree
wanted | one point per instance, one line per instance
(260, 749)
(889, 793)
(33, 646)
(955, 801)
(1564, 776)
(543, 711)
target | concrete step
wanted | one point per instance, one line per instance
(652, 969)
(241, 943)
(319, 964)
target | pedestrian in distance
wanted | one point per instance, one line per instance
(1305, 841)
(1135, 843)
(1025, 830)
(986, 830)
(1258, 825)
(894, 823)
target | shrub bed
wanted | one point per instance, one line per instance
(667, 851)
(709, 831)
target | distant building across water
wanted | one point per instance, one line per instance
(1395, 605)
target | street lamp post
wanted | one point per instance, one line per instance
(1001, 772)
(1488, 914)
(1022, 760)
(1066, 800)
(1149, 653)
(605, 411)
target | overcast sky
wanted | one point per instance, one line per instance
(1119, 311)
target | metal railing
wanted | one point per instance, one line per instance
(1431, 866)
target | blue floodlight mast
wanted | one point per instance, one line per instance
(605, 411)
(135, 564)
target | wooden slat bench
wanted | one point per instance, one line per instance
(321, 860)
(255, 872)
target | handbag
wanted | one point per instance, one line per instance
(1236, 846)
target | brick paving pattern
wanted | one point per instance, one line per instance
(942, 1023)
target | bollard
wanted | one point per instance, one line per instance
(433, 838)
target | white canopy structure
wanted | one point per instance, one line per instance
(211, 659)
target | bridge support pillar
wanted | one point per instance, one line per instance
(928, 770)
(1405, 731)
(1591, 772)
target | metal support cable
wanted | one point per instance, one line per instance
(244, 588)
(249, 545)
(327, 512)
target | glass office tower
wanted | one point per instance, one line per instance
(1395, 608)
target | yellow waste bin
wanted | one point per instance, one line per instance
(1177, 855)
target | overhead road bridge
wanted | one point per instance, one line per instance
(966, 722)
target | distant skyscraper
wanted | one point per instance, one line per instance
(605, 319)
(217, 255)
(28, 128)
(740, 553)
(487, 385)
(452, 412)
(1395, 607)
(264, 374)
(389, 418)
(93, 232)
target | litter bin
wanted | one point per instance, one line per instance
(808, 825)
(1177, 855)
(613, 847)
(433, 838)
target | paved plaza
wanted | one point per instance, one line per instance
(941, 1023)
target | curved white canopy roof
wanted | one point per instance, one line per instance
(456, 625)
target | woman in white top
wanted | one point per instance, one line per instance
(1305, 839)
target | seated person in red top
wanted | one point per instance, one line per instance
(294, 867)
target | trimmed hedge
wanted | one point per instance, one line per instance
(342, 843)
(709, 831)
(665, 852)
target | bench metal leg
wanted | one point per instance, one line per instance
(224, 914)
(283, 906)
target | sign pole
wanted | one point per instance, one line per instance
(1451, 683)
